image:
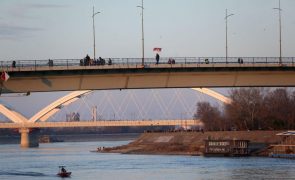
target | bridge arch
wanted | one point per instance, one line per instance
(214, 94)
(12, 115)
(54, 107)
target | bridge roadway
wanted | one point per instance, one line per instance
(109, 123)
(70, 75)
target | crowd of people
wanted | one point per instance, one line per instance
(171, 61)
(240, 61)
(87, 61)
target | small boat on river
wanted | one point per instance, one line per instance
(63, 172)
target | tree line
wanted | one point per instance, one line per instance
(251, 109)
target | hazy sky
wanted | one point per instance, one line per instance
(42, 29)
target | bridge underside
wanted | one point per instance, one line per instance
(141, 78)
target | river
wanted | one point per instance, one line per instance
(42, 164)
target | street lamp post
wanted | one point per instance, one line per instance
(226, 48)
(142, 32)
(280, 29)
(93, 15)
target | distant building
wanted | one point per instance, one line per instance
(73, 117)
(226, 147)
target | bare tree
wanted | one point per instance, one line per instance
(279, 110)
(244, 110)
(292, 115)
(251, 109)
(210, 116)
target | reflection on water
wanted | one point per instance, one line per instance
(18, 173)
(42, 163)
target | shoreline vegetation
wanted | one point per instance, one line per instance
(250, 109)
(192, 143)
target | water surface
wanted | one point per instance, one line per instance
(42, 164)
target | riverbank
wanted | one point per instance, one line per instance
(74, 138)
(192, 143)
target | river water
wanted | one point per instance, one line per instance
(42, 164)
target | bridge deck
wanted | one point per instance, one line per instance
(134, 63)
(151, 66)
(101, 124)
(69, 75)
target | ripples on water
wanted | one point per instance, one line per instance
(42, 163)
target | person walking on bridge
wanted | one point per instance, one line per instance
(157, 58)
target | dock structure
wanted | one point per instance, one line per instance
(286, 149)
(226, 147)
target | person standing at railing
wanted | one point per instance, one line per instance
(171, 61)
(157, 58)
(87, 60)
(13, 64)
(110, 61)
(101, 61)
(50, 62)
(240, 61)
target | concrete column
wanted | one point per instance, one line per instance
(28, 140)
(24, 138)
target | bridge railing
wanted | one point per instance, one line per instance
(32, 65)
(103, 123)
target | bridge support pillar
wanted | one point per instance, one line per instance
(28, 140)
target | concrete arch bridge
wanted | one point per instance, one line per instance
(39, 120)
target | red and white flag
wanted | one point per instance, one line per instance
(157, 49)
(4, 76)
